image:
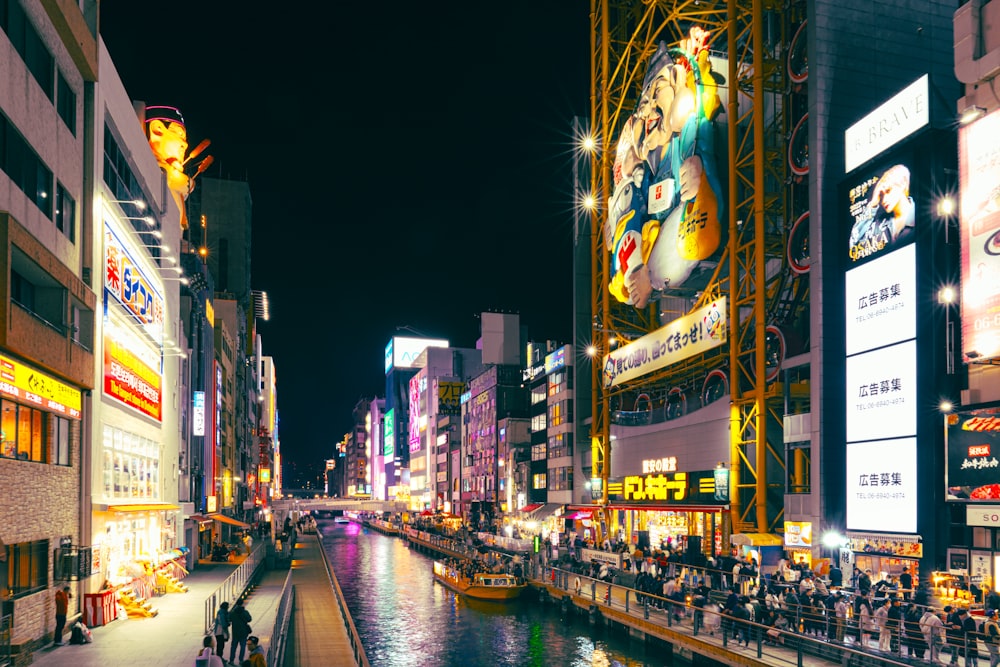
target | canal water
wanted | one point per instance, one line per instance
(406, 619)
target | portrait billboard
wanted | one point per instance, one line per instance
(665, 214)
(882, 393)
(881, 301)
(389, 433)
(973, 463)
(979, 222)
(881, 210)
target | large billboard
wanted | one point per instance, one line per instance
(882, 393)
(31, 386)
(131, 376)
(973, 466)
(882, 486)
(979, 219)
(402, 352)
(694, 333)
(883, 216)
(128, 282)
(666, 211)
(881, 301)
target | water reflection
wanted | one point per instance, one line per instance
(405, 619)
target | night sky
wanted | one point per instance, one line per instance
(409, 165)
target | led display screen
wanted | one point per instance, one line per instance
(979, 169)
(974, 456)
(881, 301)
(882, 214)
(882, 393)
(882, 486)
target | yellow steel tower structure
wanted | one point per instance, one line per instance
(752, 37)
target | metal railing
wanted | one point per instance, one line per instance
(6, 624)
(236, 584)
(352, 631)
(279, 634)
(789, 644)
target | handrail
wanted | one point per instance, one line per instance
(279, 634)
(352, 631)
(236, 584)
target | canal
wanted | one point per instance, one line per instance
(405, 618)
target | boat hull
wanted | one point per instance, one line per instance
(475, 590)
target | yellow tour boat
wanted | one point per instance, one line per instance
(482, 586)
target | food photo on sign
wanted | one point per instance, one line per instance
(973, 445)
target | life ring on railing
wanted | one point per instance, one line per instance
(676, 403)
(798, 245)
(798, 56)
(716, 386)
(798, 147)
(775, 349)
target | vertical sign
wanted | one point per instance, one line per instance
(198, 413)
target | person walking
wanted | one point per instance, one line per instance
(933, 628)
(207, 657)
(953, 633)
(882, 623)
(906, 583)
(971, 643)
(220, 629)
(62, 607)
(992, 631)
(257, 657)
(840, 609)
(240, 619)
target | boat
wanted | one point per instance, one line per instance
(482, 586)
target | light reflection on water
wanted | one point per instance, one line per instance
(405, 619)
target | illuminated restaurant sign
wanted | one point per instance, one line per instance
(126, 282)
(30, 386)
(973, 456)
(798, 533)
(130, 380)
(677, 488)
(698, 331)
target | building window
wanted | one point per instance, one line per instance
(19, 161)
(539, 452)
(23, 432)
(65, 213)
(538, 423)
(81, 325)
(560, 445)
(33, 289)
(538, 394)
(559, 413)
(27, 568)
(62, 430)
(66, 104)
(539, 481)
(120, 179)
(28, 44)
(561, 479)
(131, 466)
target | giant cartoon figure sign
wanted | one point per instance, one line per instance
(168, 139)
(664, 215)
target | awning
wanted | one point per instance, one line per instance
(545, 511)
(527, 509)
(200, 518)
(581, 514)
(228, 519)
(145, 507)
(756, 540)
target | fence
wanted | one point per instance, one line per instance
(279, 634)
(352, 631)
(236, 584)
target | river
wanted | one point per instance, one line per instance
(406, 619)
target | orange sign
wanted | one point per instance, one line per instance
(31, 386)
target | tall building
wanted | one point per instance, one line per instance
(48, 71)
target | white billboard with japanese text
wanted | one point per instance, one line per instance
(882, 393)
(881, 301)
(882, 486)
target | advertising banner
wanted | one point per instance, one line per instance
(198, 413)
(389, 434)
(881, 301)
(130, 380)
(679, 488)
(449, 396)
(979, 221)
(973, 464)
(882, 214)
(416, 383)
(698, 331)
(24, 383)
(126, 282)
(798, 533)
(882, 486)
(900, 116)
(882, 393)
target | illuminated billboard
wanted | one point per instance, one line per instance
(30, 386)
(882, 393)
(881, 301)
(665, 214)
(198, 413)
(128, 283)
(698, 331)
(899, 117)
(389, 433)
(129, 375)
(973, 463)
(449, 397)
(883, 216)
(979, 220)
(882, 486)
(402, 352)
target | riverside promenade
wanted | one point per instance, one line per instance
(318, 634)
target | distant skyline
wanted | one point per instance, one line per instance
(409, 170)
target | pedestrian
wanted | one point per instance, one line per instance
(840, 609)
(933, 628)
(240, 619)
(953, 633)
(882, 623)
(207, 657)
(906, 583)
(971, 645)
(62, 607)
(992, 631)
(220, 629)
(257, 657)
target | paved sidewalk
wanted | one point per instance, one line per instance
(174, 636)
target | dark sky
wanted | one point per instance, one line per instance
(408, 163)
